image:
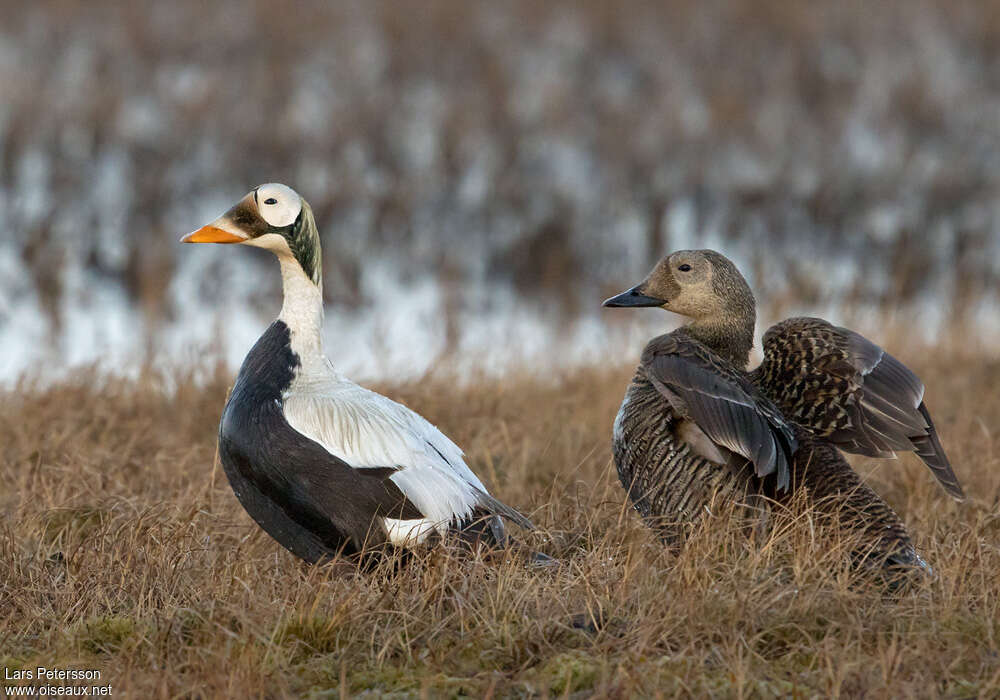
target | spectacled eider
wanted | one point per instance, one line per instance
(693, 430)
(321, 464)
(695, 425)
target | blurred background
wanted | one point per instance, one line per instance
(485, 173)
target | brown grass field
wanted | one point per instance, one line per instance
(123, 550)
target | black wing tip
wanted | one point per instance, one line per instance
(784, 475)
(953, 489)
(787, 445)
(781, 475)
(929, 448)
(521, 521)
(777, 465)
(939, 465)
(498, 507)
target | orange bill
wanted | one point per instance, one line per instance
(211, 234)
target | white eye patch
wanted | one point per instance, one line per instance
(279, 205)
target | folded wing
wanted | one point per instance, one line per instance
(371, 432)
(723, 403)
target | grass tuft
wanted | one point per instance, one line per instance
(569, 672)
(105, 635)
(309, 635)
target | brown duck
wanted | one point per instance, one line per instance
(695, 428)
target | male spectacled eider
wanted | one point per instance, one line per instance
(323, 465)
(695, 424)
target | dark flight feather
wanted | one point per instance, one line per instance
(720, 400)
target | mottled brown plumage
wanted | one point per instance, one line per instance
(835, 490)
(696, 427)
(850, 392)
(668, 482)
(692, 430)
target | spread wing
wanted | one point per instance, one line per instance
(849, 391)
(372, 433)
(723, 403)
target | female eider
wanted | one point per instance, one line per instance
(693, 430)
(323, 465)
(694, 420)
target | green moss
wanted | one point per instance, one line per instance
(13, 663)
(105, 635)
(392, 682)
(321, 679)
(680, 675)
(387, 679)
(569, 672)
(316, 635)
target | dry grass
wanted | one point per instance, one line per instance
(122, 550)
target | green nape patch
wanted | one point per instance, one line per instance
(104, 634)
(60, 524)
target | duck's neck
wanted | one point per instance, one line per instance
(302, 311)
(729, 337)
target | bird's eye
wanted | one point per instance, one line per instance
(685, 268)
(270, 200)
